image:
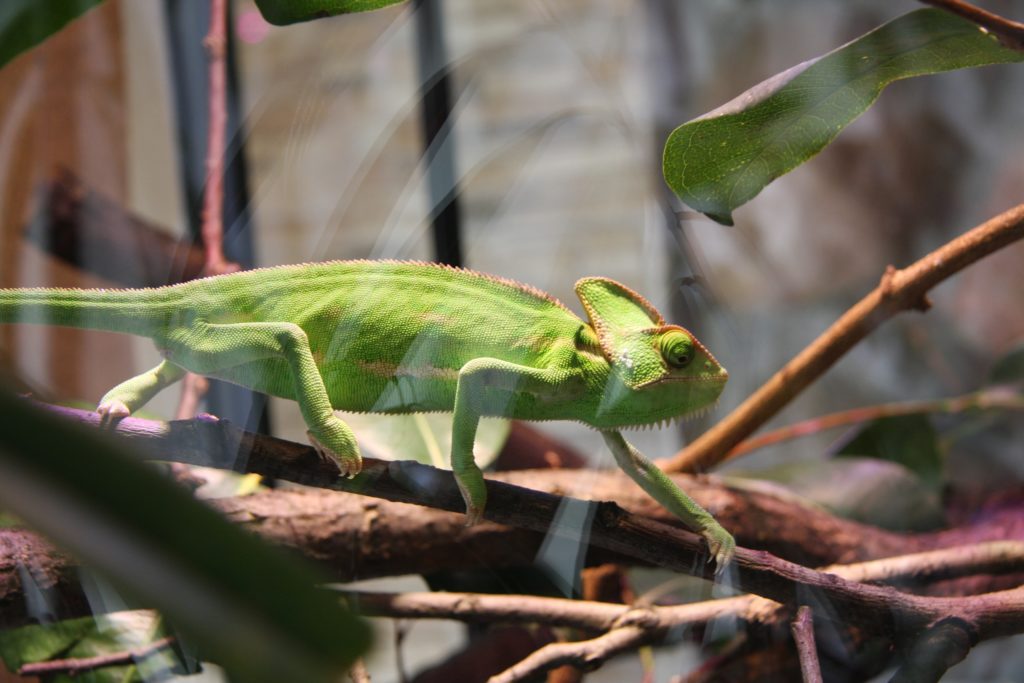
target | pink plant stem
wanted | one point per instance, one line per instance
(213, 198)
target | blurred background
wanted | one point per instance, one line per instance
(546, 169)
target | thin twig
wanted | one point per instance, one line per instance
(899, 290)
(73, 667)
(1010, 33)
(628, 627)
(583, 654)
(995, 398)
(213, 196)
(587, 615)
(194, 387)
(803, 636)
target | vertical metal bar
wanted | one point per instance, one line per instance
(438, 131)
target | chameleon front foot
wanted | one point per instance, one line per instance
(336, 442)
(721, 545)
(112, 410)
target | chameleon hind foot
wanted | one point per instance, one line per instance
(721, 545)
(336, 442)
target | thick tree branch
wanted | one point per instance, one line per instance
(899, 290)
(211, 442)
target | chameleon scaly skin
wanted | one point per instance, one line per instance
(404, 337)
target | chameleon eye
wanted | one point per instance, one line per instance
(677, 349)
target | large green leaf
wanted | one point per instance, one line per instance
(909, 440)
(283, 12)
(725, 158)
(26, 23)
(248, 606)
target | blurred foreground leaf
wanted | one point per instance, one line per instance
(283, 12)
(726, 157)
(251, 609)
(26, 23)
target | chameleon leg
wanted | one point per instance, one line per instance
(488, 386)
(662, 489)
(206, 348)
(132, 394)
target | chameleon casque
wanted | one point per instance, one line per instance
(405, 337)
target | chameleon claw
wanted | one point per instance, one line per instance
(112, 411)
(473, 517)
(721, 547)
(350, 464)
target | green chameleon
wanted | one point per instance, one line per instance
(403, 337)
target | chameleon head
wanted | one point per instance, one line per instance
(657, 371)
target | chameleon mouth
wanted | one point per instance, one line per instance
(710, 379)
(668, 421)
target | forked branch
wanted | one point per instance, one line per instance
(899, 290)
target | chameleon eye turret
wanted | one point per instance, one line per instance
(677, 349)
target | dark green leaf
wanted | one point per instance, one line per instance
(250, 608)
(26, 23)
(909, 440)
(725, 158)
(1009, 368)
(283, 12)
(867, 490)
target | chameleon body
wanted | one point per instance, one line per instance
(404, 337)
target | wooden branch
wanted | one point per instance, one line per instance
(899, 290)
(803, 635)
(627, 627)
(1010, 33)
(72, 221)
(210, 442)
(602, 616)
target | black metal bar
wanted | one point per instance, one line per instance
(438, 131)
